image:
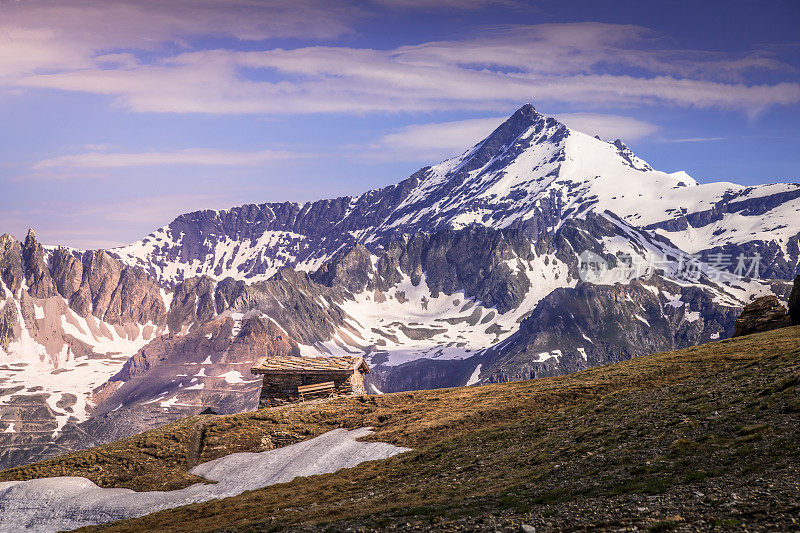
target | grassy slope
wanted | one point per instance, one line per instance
(707, 436)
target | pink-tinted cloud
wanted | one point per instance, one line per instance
(561, 63)
(191, 156)
(48, 35)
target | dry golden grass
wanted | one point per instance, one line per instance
(655, 424)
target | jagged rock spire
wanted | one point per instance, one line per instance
(11, 263)
(37, 274)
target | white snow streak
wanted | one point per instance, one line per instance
(62, 503)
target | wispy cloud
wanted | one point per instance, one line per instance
(158, 210)
(588, 64)
(435, 141)
(66, 34)
(191, 156)
(429, 142)
(697, 139)
(608, 127)
(60, 174)
(450, 4)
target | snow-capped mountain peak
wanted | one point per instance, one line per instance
(534, 167)
(532, 173)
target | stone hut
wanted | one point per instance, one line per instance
(291, 379)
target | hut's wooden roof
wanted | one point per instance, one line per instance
(309, 365)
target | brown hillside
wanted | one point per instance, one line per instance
(697, 438)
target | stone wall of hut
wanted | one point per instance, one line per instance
(279, 389)
(357, 383)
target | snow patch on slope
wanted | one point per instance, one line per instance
(409, 323)
(65, 503)
(66, 379)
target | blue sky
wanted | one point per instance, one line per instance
(119, 115)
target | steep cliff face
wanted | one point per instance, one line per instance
(474, 260)
(589, 325)
(77, 286)
(794, 302)
(37, 275)
(11, 263)
(95, 283)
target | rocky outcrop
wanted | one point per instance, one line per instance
(12, 277)
(763, 314)
(94, 283)
(574, 328)
(10, 327)
(200, 299)
(477, 260)
(37, 274)
(101, 276)
(306, 310)
(11, 263)
(136, 298)
(794, 302)
(193, 301)
(772, 261)
(68, 275)
(589, 325)
(350, 270)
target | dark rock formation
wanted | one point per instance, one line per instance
(9, 323)
(794, 302)
(350, 270)
(588, 325)
(37, 275)
(136, 298)
(201, 299)
(68, 274)
(94, 283)
(306, 310)
(11, 263)
(763, 314)
(193, 301)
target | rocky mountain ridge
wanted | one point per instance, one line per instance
(68, 321)
(532, 173)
